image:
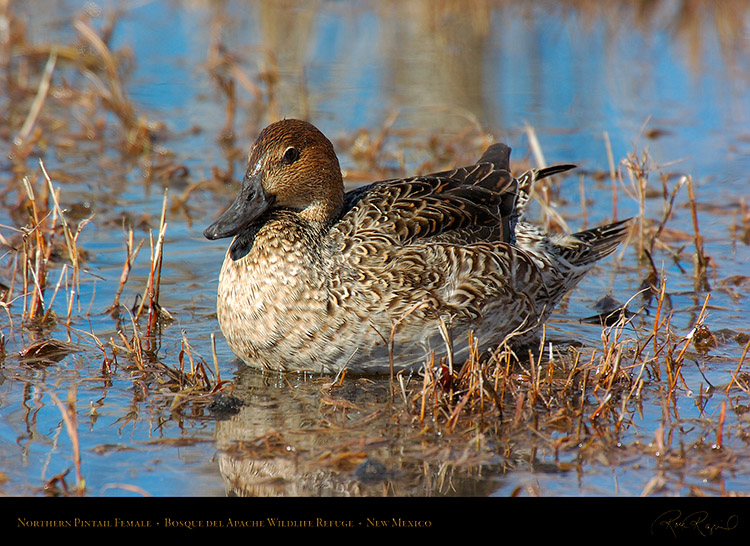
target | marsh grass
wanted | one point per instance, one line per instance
(45, 262)
(184, 387)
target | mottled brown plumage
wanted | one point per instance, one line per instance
(318, 279)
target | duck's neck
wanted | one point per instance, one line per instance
(281, 230)
(323, 212)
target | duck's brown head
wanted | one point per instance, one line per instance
(292, 165)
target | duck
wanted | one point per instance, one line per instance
(392, 275)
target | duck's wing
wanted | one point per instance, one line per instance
(425, 208)
(440, 239)
(464, 205)
(492, 171)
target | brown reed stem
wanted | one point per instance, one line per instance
(70, 418)
(699, 259)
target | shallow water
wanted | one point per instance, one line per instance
(581, 76)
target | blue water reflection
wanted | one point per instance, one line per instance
(577, 75)
(569, 77)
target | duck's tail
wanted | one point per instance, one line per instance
(525, 183)
(586, 247)
(565, 259)
(527, 180)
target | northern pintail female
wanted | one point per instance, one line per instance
(319, 279)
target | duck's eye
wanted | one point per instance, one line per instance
(291, 155)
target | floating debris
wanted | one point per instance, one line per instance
(225, 405)
(45, 352)
(609, 312)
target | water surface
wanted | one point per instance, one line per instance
(440, 80)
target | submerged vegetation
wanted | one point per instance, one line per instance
(636, 393)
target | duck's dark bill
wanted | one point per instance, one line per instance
(251, 202)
